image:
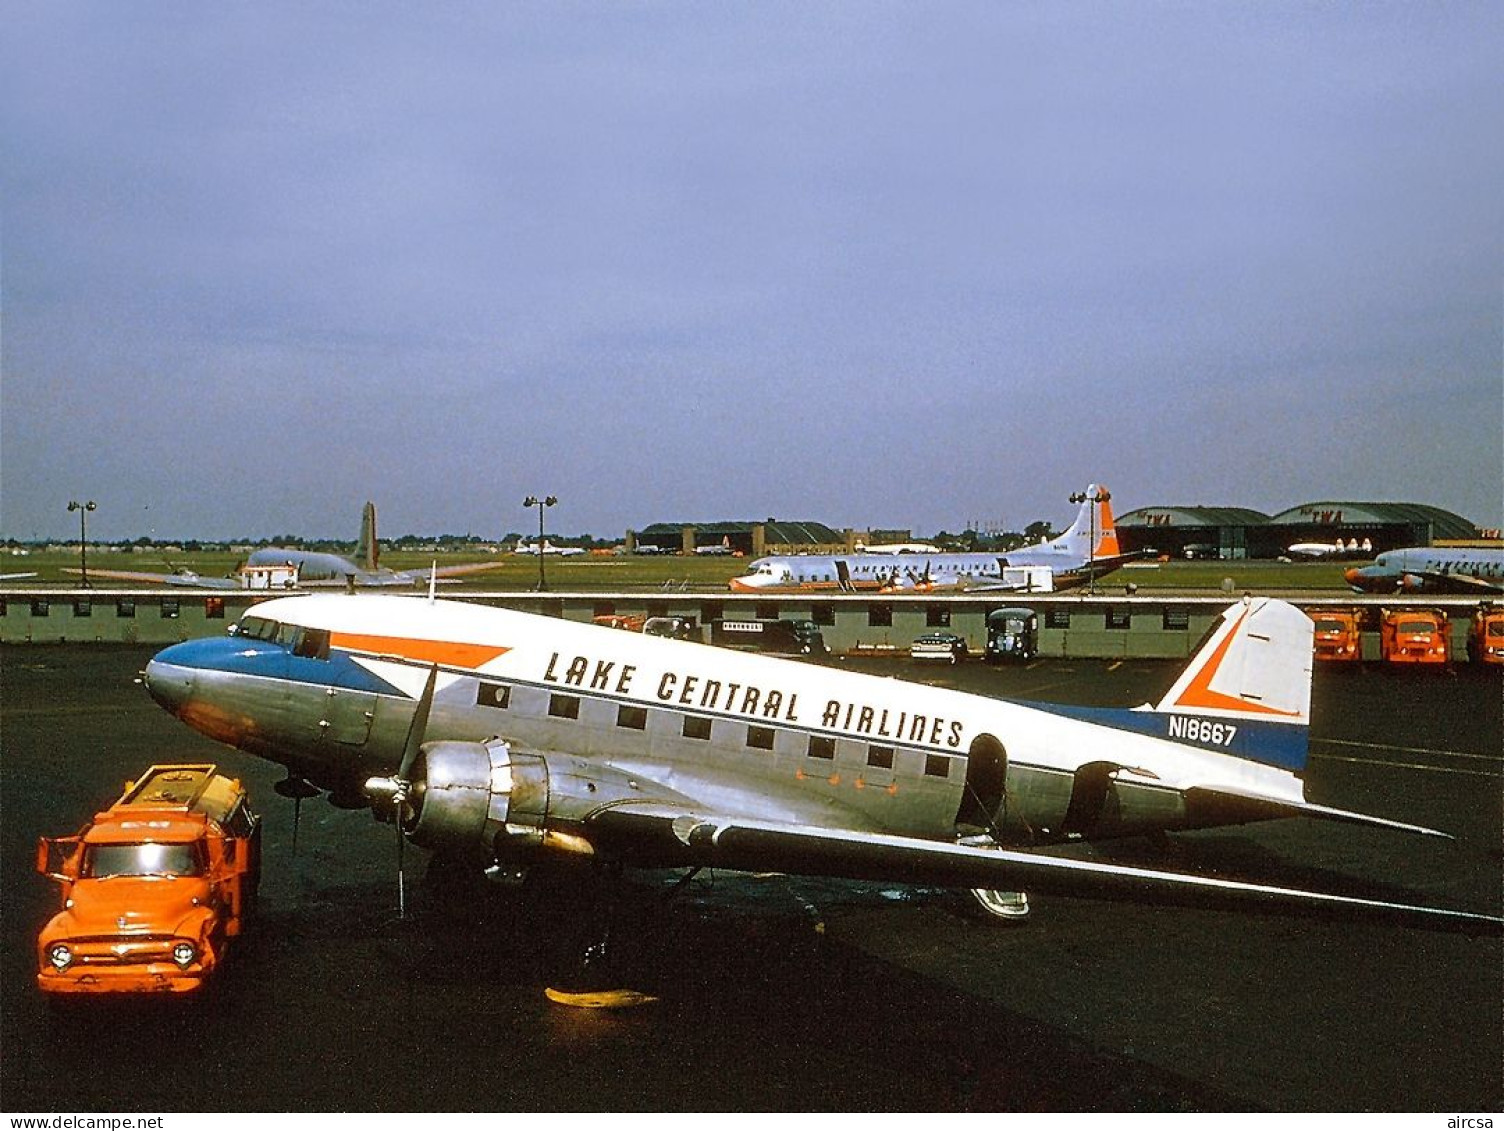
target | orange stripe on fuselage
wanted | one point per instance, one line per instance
(1199, 693)
(446, 652)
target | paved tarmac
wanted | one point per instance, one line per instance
(792, 994)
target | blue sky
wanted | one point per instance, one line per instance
(900, 265)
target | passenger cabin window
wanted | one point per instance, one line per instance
(822, 746)
(760, 738)
(696, 726)
(880, 757)
(493, 695)
(564, 706)
(632, 718)
(936, 766)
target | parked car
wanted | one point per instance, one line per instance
(944, 646)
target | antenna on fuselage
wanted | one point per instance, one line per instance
(433, 582)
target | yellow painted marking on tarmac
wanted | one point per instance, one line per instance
(599, 999)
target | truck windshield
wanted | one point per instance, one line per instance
(102, 861)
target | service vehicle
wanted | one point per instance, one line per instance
(946, 647)
(1414, 636)
(1339, 635)
(1012, 634)
(1485, 638)
(154, 888)
(675, 628)
(777, 637)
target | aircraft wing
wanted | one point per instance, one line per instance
(182, 580)
(458, 570)
(738, 844)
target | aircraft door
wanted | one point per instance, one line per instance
(985, 789)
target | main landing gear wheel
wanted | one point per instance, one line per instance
(1003, 906)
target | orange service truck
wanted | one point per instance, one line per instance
(1414, 636)
(154, 888)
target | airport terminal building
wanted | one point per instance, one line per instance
(1232, 533)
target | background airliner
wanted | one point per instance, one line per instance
(304, 568)
(1088, 549)
(1432, 569)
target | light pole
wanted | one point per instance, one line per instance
(83, 536)
(1100, 496)
(534, 501)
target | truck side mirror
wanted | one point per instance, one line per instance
(52, 858)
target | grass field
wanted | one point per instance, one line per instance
(629, 573)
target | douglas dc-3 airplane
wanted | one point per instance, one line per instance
(298, 569)
(1088, 549)
(508, 738)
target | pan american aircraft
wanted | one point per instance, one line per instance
(1431, 569)
(281, 567)
(510, 739)
(1087, 550)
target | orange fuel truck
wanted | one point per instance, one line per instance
(154, 888)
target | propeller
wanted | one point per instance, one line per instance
(393, 792)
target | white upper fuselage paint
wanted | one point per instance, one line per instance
(386, 633)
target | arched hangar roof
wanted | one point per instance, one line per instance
(1192, 517)
(1443, 523)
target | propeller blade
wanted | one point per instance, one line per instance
(419, 725)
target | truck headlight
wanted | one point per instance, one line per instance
(184, 953)
(60, 955)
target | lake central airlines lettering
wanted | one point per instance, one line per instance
(504, 738)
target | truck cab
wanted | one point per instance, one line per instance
(154, 888)
(1338, 635)
(1485, 638)
(1414, 636)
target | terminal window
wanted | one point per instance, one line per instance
(937, 616)
(170, 608)
(83, 608)
(1057, 618)
(880, 616)
(1119, 620)
(823, 615)
(125, 608)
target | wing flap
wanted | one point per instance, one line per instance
(692, 839)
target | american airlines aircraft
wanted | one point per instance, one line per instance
(1432, 569)
(1088, 549)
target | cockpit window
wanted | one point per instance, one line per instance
(101, 861)
(257, 628)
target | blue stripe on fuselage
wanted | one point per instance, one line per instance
(246, 656)
(1285, 745)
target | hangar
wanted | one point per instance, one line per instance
(753, 539)
(1236, 532)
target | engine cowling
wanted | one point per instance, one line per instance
(476, 798)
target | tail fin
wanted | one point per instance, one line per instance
(367, 550)
(1248, 689)
(1093, 521)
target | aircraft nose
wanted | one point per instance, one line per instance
(168, 681)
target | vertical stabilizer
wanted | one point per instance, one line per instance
(367, 551)
(1093, 521)
(1255, 665)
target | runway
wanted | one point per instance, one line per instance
(778, 993)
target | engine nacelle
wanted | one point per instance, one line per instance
(477, 799)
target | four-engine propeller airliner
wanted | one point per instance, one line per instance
(508, 738)
(1087, 550)
(297, 569)
(1432, 569)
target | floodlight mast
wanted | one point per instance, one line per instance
(541, 504)
(83, 536)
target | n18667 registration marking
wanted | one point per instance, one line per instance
(1204, 731)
